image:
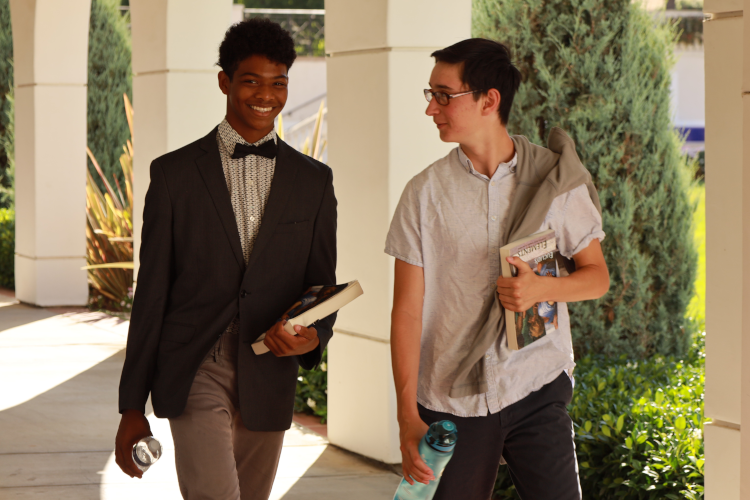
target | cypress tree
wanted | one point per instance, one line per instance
(109, 76)
(6, 107)
(600, 71)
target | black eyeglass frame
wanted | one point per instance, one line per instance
(429, 94)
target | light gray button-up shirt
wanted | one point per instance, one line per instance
(449, 221)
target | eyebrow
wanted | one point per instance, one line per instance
(441, 87)
(278, 77)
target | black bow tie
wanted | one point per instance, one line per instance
(267, 149)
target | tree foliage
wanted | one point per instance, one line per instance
(109, 77)
(7, 167)
(600, 71)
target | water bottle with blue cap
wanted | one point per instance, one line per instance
(436, 449)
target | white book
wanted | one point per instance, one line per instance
(315, 304)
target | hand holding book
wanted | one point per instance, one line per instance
(526, 264)
(280, 343)
(316, 303)
(522, 291)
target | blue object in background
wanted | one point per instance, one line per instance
(693, 134)
(436, 449)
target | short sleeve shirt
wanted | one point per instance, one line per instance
(449, 221)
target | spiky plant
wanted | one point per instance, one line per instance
(109, 230)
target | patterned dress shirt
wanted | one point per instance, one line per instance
(249, 184)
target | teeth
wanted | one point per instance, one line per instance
(262, 110)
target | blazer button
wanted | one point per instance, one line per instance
(243, 294)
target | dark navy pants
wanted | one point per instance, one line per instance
(534, 435)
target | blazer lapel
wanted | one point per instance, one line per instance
(281, 187)
(209, 166)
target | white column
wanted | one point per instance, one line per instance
(379, 62)
(176, 95)
(727, 229)
(50, 51)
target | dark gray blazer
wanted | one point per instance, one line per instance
(193, 280)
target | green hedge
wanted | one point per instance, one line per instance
(638, 428)
(109, 76)
(7, 247)
(7, 165)
(312, 390)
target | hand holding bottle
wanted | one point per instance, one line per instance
(412, 430)
(133, 428)
(435, 449)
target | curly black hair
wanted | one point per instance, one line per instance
(259, 36)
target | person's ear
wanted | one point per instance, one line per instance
(491, 102)
(224, 82)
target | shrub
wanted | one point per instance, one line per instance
(638, 428)
(7, 247)
(109, 232)
(312, 390)
(600, 71)
(109, 77)
(6, 107)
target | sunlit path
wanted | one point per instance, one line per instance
(58, 418)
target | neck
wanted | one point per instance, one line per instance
(251, 135)
(488, 149)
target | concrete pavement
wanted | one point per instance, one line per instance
(59, 373)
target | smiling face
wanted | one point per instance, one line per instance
(461, 117)
(256, 94)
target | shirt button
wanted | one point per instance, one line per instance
(243, 294)
(492, 183)
(252, 218)
(494, 217)
(486, 356)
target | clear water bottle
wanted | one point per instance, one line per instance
(436, 449)
(146, 452)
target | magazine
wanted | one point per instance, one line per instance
(315, 304)
(540, 252)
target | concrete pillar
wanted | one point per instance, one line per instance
(727, 229)
(379, 62)
(176, 95)
(50, 90)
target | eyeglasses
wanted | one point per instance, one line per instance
(442, 98)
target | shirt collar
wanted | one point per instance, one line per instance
(230, 137)
(466, 162)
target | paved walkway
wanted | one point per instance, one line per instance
(59, 373)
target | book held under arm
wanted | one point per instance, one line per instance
(540, 252)
(315, 304)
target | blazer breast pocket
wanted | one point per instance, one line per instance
(175, 332)
(292, 227)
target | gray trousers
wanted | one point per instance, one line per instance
(217, 458)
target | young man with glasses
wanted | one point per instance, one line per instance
(450, 357)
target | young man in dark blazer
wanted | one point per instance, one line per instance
(235, 227)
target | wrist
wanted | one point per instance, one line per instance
(547, 290)
(407, 415)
